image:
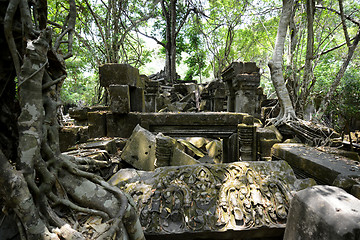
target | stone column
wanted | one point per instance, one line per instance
(247, 139)
(151, 93)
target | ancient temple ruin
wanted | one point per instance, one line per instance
(199, 162)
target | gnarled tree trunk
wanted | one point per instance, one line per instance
(276, 66)
(37, 178)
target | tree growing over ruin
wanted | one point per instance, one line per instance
(42, 187)
(287, 115)
(174, 14)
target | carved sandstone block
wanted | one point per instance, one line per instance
(245, 197)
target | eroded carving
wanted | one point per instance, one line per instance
(216, 197)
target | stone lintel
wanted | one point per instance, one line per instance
(236, 68)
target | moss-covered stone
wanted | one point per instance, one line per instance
(212, 198)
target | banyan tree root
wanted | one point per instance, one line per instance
(309, 132)
(48, 190)
(312, 133)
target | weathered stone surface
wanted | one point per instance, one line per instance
(151, 93)
(69, 136)
(265, 147)
(137, 99)
(180, 158)
(323, 212)
(121, 125)
(324, 167)
(139, 151)
(214, 95)
(247, 141)
(164, 150)
(236, 68)
(222, 125)
(231, 200)
(266, 138)
(79, 114)
(97, 124)
(242, 80)
(187, 124)
(145, 151)
(122, 74)
(191, 149)
(119, 98)
(215, 150)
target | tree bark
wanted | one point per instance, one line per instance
(16, 194)
(173, 40)
(308, 68)
(275, 64)
(169, 13)
(30, 180)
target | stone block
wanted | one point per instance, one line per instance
(164, 150)
(119, 98)
(243, 200)
(324, 167)
(250, 67)
(265, 146)
(79, 115)
(67, 138)
(137, 99)
(121, 125)
(323, 212)
(122, 74)
(180, 158)
(215, 150)
(107, 145)
(97, 124)
(265, 133)
(139, 151)
(247, 142)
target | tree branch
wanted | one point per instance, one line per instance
(346, 34)
(8, 25)
(153, 38)
(338, 13)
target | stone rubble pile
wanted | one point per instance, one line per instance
(199, 163)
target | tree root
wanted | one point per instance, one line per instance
(48, 190)
(310, 133)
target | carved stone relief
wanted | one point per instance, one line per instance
(218, 197)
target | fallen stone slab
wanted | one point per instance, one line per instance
(324, 167)
(323, 212)
(139, 150)
(146, 151)
(213, 201)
